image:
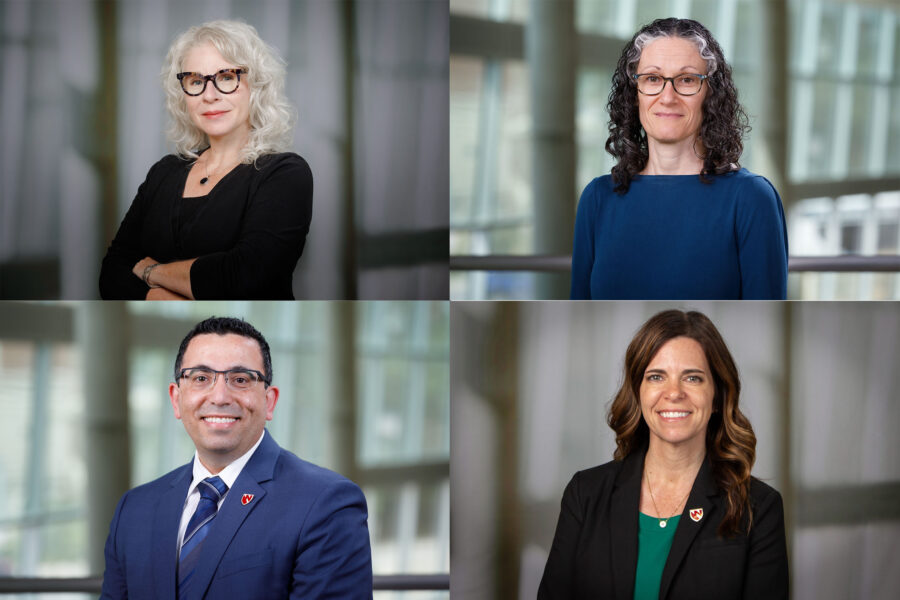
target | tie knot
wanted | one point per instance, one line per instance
(212, 488)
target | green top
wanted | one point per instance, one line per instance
(654, 543)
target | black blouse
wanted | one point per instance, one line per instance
(246, 234)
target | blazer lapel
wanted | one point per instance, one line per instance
(233, 511)
(624, 508)
(164, 539)
(703, 490)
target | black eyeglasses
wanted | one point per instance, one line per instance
(202, 378)
(226, 81)
(686, 84)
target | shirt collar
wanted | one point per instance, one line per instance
(229, 474)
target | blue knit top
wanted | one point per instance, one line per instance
(673, 237)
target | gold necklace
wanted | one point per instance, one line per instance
(662, 522)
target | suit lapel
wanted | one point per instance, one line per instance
(624, 508)
(164, 539)
(234, 512)
(703, 490)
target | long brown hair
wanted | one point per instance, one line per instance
(730, 441)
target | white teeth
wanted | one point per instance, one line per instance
(219, 419)
(673, 414)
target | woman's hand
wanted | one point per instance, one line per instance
(142, 264)
(162, 293)
(174, 276)
(170, 281)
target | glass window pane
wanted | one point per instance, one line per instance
(843, 286)
(492, 285)
(887, 238)
(16, 369)
(490, 164)
(499, 10)
(158, 441)
(410, 527)
(466, 78)
(861, 129)
(403, 382)
(828, 45)
(869, 42)
(896, 39)
(893, 158)
(469, 7)
(591, 125)
(707, 12)
(821, 134)
(851, 238)
(648, 10)
(42, 470)
(597, 16)
(513, 198)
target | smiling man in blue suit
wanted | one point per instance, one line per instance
(245, 519)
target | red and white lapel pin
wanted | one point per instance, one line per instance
(246, 499)
(696, 514)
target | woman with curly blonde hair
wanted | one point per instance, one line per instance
(678, 218)
(227, 216)
(677, 513)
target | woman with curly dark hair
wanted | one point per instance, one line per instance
(677, 513)
(678, 218)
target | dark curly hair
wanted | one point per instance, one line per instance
(724, 121)
(730, 441)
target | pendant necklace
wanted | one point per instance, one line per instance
(206, 168)
(662, 522)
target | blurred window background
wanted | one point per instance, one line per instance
(839, 175)
(83, 119)
(369, 376)
(532, 383)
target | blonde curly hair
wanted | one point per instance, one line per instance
(271, 115)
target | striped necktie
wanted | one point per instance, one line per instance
(211, 491)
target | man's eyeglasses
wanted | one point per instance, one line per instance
(686, 84)
(226, 81)
(201, 378)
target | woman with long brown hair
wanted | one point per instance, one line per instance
(677, 513)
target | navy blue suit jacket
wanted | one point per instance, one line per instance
(303, 535)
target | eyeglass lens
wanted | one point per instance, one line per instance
(225, 81)
(684, 84)
(201, 379)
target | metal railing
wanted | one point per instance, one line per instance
(92, 585)
(849, 263)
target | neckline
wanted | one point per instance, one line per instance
(638, 176)
(643, 514)
(210, 191)
(648, 523)
(667, 175)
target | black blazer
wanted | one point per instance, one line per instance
(247, 233)
(595, 549)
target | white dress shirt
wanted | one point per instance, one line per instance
(229, 475)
